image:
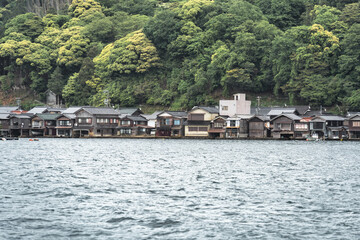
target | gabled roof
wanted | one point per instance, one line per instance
(208, 109)
(136, 118)
(8, 109)
(37, 110)
(48, 116)
(262, 111)
(21, 116)
(100, 111)
(128, 111)
(71, 110)
(279, 111)
(177, 114)
(4, 116)
(328, 118)
(56, 109)
(354, 116)
(290, 116)
(262, 118)
(241, 116)
(151, 116)
(70, 115)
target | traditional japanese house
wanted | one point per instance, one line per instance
(238, 126)
(64, 126)
(354, 127)
(274, 112)
(133, 126)
(302, 128)
(20, 125)
(218, 127)
(4, 125)
(38, 110)
(129, 112)
(9, 110)
(44, 124)
(170, 123)
(259, 127)
(328, 127)
(199, 119)
(101, 121)
(283, 126)
(151, 121)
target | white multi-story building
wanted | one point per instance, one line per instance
(234, 107)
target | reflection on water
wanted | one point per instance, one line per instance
(179, 189)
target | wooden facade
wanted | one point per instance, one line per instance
(259, 127)
(284, 126)
(170, 123)
(354, 127)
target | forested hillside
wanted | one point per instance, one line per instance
(182, 53)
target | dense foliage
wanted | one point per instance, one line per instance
(184, 53)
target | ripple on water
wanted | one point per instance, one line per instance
(179, 189)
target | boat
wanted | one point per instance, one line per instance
(9, 138)
(313, 137)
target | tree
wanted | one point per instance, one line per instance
(163, 29)
(131, 54)
(28, 24)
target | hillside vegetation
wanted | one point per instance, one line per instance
(182, 53)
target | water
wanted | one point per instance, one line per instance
(179, 189)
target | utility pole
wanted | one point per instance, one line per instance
(106, 101)
(18, 102)
(258, 104)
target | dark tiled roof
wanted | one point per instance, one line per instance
(329, 118)
(261, 112)
(290, 116)
(24, 116)
(48, 116)
(151, 116)
(128, 111)
(137, 118)
(177, 114)
(100, 111)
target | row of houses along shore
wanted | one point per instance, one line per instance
(231, 119)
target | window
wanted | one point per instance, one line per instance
(177, 122)
(167, 121)
(203, 129)
(218, 125)
(356, 123)
(64, 123)
(85, 120)
(225, 108)
(232, 123)
(283, 126)
(318, 125)
(37, 123)
(193, 129)
(125, 122)
(196, 117)
(301, 126)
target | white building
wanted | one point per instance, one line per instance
(234, 107)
